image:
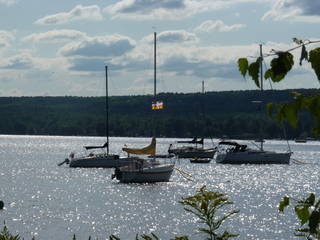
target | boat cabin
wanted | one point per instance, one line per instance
(237, 147)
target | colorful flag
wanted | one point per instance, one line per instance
(157, 105)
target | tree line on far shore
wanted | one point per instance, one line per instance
(210, 114)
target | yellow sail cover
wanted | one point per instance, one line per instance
(149, 150)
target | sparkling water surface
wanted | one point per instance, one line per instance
(51, 202)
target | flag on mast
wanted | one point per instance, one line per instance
(157, 105)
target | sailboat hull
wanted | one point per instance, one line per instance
(199, 153)
(254, 158)
(160, 173)
(99, 161)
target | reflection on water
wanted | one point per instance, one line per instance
(51, 202)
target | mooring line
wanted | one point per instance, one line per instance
(183, 174)
(297, 161)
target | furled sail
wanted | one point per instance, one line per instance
(195, 141)
(149, 150)
(92, 147)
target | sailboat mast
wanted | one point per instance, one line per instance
(261, 104)
(202, 98)
(155, 82)
(202, 110)
(107, 110)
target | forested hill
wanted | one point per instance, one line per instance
(212, 114)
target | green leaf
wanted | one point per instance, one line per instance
(303, 213)
(268, 74)
(310, 200)
(270, 109)
(312, 104)
(291, 114)
(243, 66)
(299, 98)
(314, 221)
(314, 58)
(281, 66)
(254, 71)
(284, 203)
(280, 114)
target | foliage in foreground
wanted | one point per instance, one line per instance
(279, 67)
(205, 205)
(6, 235)
(308, 211)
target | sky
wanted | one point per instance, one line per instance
(61, 48)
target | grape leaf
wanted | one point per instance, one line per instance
(270, 109)
(243, 66)
(284, 203)
(314, 58)
(281, 66)
(303, 213)
(291, 114)
(254, 70)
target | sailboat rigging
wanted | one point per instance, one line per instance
(232, 152)
(98, 160)
(195, 147)
(146, 170)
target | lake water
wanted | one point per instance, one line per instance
(51, 202)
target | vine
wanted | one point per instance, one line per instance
(280, 65)
(308, 211)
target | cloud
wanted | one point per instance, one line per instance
(86, 64)
(147, 6)
(78, 13)
(5, 38)
(8, 2)
(173, 36)
(204, 68)
(46, 93)
(23, 61)
(56, 36)
(162, 9)
(15, 92)
(179, 36)
(186, 60)
(77, 88)
(211, 26)
(295, 10)
(139, 57)
(107, 46)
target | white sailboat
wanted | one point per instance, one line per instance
(231, 152)
(98, 160)
(148, 169)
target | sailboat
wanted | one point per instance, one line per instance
(195, 147)
(232, 152)
(98, 160)
(192, 150)
(142, 170)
